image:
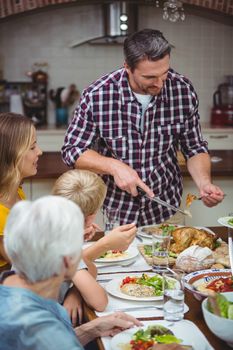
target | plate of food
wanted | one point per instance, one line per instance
(141, 287)
(117, 255)
(202, 283)
(148, 231)
(184, 333)
(226, 221)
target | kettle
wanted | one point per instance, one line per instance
(223, 97)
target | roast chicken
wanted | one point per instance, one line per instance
(184, 237)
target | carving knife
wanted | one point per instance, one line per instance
(165, 204)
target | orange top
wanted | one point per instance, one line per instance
(4, 212)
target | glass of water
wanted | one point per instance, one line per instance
(173, 290)
(111, 219)
(160, 251)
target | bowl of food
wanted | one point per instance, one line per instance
(202, 283)
(218, 314)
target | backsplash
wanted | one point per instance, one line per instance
(203, 48)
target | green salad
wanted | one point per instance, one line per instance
(154, 334)
(230, 222)
(149, 252)
(219, 305)
(155, 281)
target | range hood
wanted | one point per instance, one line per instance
(119, 18)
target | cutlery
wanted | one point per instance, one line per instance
(165, 204)
(137, 308)
(139, 238)
(123, 264)
(200, 198)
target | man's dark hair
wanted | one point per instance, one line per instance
(147, 44)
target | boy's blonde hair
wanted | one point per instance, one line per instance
(83, 187)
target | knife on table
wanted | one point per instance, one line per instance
(165, 204)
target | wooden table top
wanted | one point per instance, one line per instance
(50, 165)
(194, 314)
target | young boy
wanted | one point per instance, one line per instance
(88, 191)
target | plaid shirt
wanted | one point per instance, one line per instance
(108, 121)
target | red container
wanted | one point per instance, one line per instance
(217, 117)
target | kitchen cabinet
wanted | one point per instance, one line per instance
(51, 139)
(219, 139)
(50, 167)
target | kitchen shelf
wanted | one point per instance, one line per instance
(34, 98)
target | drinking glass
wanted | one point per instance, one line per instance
(160, 251)
(111, 218)
(173, 290)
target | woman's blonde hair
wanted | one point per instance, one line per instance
(83, 187)
(16, 133)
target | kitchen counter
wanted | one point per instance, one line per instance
(50, 165)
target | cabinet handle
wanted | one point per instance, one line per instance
(218, 136)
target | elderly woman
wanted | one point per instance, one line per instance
(43, 240)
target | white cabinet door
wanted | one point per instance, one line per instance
(37, 188)
(219, 140)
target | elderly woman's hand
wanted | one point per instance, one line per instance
(105, 326)
(115, 323)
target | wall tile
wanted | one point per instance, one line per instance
(203, 48)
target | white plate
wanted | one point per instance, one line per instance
(146, 235)
(132, 252)
(224, 221)
(113, 288)
(185, 330)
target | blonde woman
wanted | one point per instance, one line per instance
(19, 155)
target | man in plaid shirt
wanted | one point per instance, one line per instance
(128, 127)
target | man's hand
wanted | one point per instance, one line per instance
(211, 194)
(127, 179)
(121, 237)
(73, 305)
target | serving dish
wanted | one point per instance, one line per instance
(222, 327)
(197, 278)
(224, 221)
(143, 231)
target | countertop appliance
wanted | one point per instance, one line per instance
(222, 111)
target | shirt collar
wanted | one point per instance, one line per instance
(128, 96)
(125, 89)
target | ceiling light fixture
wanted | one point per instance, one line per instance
(172, 10)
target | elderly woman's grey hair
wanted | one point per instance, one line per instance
(146, 44)
(38, 235)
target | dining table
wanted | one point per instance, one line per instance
(194, 314)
